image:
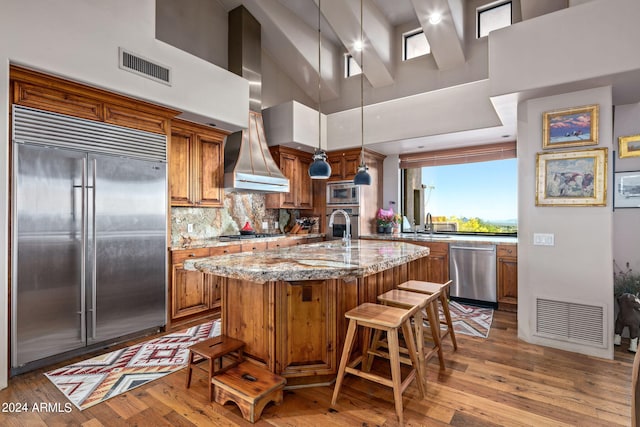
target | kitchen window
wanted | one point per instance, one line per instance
(470, 190)
(493, 17)
(414, 44)
(351, 67)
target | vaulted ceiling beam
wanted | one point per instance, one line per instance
(444, 37)
(344, 18)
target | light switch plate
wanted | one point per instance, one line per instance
(543, 239)
(189, 228)
(265, 225)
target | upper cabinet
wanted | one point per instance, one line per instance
(294, 165)
(344, 163)
(43, 92)
(196, 165)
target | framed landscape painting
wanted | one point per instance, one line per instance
(572, 127)
(629, 146)
(572, 178)
(627, 191)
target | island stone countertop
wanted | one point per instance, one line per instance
(314, 261)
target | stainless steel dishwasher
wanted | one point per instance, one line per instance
(472, 267)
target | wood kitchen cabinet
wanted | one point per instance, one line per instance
(294, 164)
(194, 293)
(344, 163)
(507, 277)
(196, 165)
(43, 92)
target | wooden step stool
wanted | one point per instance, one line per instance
(250, 387)
(214, 351)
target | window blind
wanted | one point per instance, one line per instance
(453, 156)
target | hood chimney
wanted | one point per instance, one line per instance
(248, 165)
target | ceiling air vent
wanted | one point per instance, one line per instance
(570, 321)
(136, 64)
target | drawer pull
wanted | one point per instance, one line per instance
(191, 255)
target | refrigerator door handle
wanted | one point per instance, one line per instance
(94, 276)
(83, 269)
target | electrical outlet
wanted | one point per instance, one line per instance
(543, 239)
(265, 225)
(189, 228)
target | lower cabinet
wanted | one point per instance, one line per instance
(507, 277)
(193, 294)
(437, 263)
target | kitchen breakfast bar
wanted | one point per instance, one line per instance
(288, 304)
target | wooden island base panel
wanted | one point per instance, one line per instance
(287, 305)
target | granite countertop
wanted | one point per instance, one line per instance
(314, 261)
(438, 237)
(217, 242)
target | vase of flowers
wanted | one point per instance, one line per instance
(386, 220)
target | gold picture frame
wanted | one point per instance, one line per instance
(570, 127)
(572, 178)
(629, 146)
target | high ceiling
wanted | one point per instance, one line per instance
(289, 36)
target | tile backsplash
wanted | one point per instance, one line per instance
(207, 223)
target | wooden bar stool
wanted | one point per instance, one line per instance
(390, 320)
(429, 288)
(428, 303)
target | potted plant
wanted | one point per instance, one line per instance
(625, 281)
(386, 220)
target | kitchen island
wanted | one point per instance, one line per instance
(288, 304)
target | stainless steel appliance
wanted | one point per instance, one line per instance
(472, 267)
(339, 222)
(89, 235)
(343, 193)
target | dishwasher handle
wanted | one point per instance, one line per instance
(473, 248)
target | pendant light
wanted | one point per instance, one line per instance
(319, 169)
(362, 176)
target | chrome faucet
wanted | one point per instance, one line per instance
(346, 238)
(429, 223)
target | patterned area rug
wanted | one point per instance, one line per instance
(97, 379)
(469, 319)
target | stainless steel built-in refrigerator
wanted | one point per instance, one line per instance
(89, 234)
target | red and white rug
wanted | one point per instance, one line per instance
(97, 379)
(469, 319)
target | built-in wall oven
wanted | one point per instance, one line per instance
(343, 193)
(339, 228)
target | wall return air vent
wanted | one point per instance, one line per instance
(570, 321)
(137, 64)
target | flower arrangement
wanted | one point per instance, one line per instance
(386, 218)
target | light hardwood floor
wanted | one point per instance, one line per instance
(499, 381)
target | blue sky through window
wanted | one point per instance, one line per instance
(486, 190)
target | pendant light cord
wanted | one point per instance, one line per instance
(361, 88)
(319, 80)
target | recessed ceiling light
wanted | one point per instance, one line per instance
(435, 18)
(358, 45)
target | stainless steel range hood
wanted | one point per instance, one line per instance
(248, 165)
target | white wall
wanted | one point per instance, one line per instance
(79, 40)
(626, 222)
(578, 43)
(579, 267)
(195, 26)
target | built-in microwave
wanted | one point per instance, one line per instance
(343, 193)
